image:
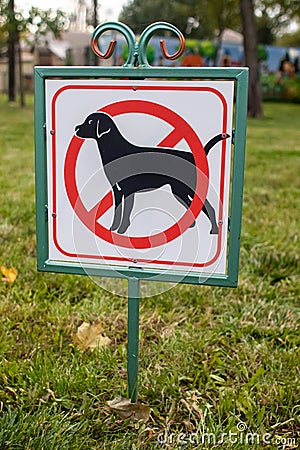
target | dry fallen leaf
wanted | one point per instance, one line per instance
(128, 410)
(9, 274)
(89, 336)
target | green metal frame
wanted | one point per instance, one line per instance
(239, 75)
(137, 68)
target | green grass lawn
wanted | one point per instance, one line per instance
(224, 362)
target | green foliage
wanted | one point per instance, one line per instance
(273, 16)
(208, 49)
(210, 358)
(283, 88)
(265, 32)
(3, 38)
(150, 53)
(203, 48)
(43, 21)
(289, 39)
(223, 14)
(212, 14)
(262, 53)
(292, 88)
(193, 46)
(14, 26)
(37, 21)
(10, 21)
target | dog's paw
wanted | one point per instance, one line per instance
(123, 228)
(114, 227)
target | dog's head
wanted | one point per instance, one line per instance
(95, 126)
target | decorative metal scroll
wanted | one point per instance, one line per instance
(136, 48)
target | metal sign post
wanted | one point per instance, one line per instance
(139, 171)
(133, 337)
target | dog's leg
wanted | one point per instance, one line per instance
(210, 213)
(118, 209)
(184, 196)
(186, 203)
(128, 205)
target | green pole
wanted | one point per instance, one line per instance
(133, 337)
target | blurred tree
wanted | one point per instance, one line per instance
(13, 25)
(195, 18)
(206, 19)
(9, 32)
(260, 21)
(289, 39)
(273, 17)
(251, 57)
(265, 33)
(40, 22)
(223, 14)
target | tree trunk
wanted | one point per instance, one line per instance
(11, 56)
(218, 47)
(22, 93)
(251, 58)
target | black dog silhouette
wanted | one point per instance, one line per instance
(130, 168)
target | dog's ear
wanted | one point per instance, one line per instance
(98, 129)
(98, 133)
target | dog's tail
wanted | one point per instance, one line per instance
(214, 141)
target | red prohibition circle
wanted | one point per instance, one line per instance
(181, 130)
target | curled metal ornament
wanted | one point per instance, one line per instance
(177, 54)
(147, 35)
(113, 26)
(109, 51)
(136, 48)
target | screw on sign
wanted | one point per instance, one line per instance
(131, 169)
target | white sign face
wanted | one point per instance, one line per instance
(139, 173)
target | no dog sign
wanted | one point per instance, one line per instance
(139, 171)
(140, 175)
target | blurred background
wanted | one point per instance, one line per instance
(32, 34)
